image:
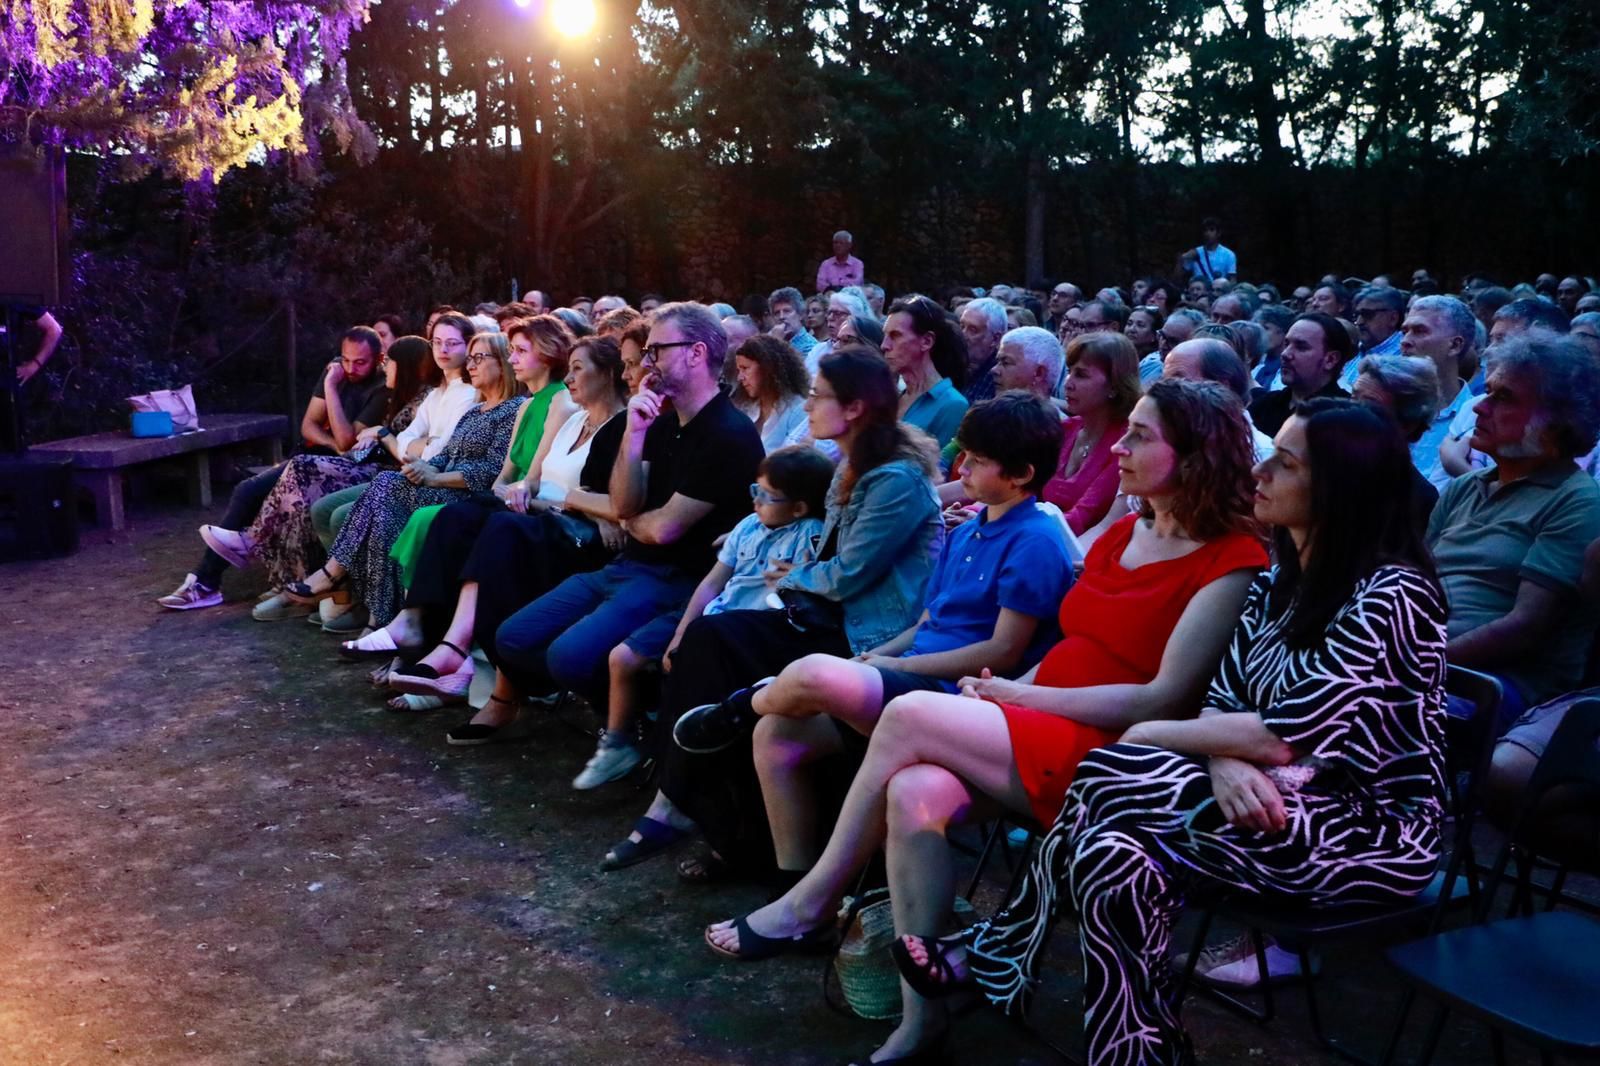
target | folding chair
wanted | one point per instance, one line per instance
(1470, 744)
(1531, 975)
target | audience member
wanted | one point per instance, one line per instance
(1274, 320)
(1210, 260)
(926, 351)
(1315, 349)
(842, 268)
(1378, 310)
(329, 427)
(983, 323)
(1101, 389)
(787, 308)
(1287, 736)
(1441, 329)
(1405, 388)
(771, 389)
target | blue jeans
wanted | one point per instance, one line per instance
(561, 640)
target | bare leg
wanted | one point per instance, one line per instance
(502, 705)
(824, 684)
(441, 658)
(406, 627)
(967, 737)
(784, 750)
(331, 573)
(624, 665)
(924, 801)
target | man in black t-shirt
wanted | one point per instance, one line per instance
(681, 480)
(328, 429)
(28, 321)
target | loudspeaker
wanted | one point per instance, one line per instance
(34, 267)
(38, 508)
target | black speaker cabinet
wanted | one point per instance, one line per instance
(38, 509)
(34, 267)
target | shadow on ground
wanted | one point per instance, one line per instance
(215, 847)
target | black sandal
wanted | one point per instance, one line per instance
(421, 669)
(470, 734)
(934, 979)
(654, 838)
(300, 591)
(753, 947)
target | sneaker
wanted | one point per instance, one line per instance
(191, 596)
(1232, 964)
(712, 727)
(232, 546)
(279, 608)
(611, 762)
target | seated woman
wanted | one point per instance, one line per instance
(539, 348)
(282, 537)
(864, 588)
(772, 386)
(991, 604)
(1144, 330)
(469, 463)
(1143, 628)
(1101, 388)
(534, 544)
(1313, 775)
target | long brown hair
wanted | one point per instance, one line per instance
(414, 371)
(857, 373)
(1204, 424)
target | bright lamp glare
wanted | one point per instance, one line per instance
(572, 18)
(523, 3)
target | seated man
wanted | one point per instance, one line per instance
(1509, 541)
(681, 478)
(1315, 349)
(360, 397)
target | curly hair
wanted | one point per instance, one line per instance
(783, 370)
(551, 340)
(1204, 424)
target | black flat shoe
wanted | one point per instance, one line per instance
(471, 734)
(711, 727)
(753, 947)
(423, 670)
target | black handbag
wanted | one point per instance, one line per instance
(809, 612)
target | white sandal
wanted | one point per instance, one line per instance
(375, 645)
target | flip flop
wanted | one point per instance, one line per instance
(655, 837)
(934, 979)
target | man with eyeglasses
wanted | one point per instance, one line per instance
(1063, 298)
(360, 396)
(1378, 311)
(681, 479)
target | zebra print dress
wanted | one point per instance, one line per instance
(1365, 712)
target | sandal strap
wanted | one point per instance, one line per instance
(452, 647)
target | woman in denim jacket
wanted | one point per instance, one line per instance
(874, 560)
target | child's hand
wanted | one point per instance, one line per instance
(777, 572)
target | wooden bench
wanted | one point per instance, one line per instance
(99, 459)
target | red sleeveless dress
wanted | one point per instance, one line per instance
(1115, 624)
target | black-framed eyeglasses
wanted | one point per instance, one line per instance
(761, 495)
(651, 351)
(476, 358)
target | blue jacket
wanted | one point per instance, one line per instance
(887, 534)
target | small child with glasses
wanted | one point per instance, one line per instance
(789, 498)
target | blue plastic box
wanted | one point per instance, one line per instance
(151, 424)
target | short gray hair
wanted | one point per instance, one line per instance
(1390, 297)
(1275, 315)
(843, 235)
(1413, 384)
(787, 295)
(699, 325)
(1569, 387)
(1456, 317)
(853, 303)
(992, 310)
(1251, 342)
(1219, 363)
(1039, 347)
(1189, 314)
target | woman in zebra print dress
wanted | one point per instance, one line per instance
(1314, 773)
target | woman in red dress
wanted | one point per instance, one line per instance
(1144, 629)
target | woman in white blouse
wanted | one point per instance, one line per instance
(772, 387)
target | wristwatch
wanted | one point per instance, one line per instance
(383, 431)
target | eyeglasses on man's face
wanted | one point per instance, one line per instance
(652, 352)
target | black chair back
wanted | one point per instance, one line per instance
(1572, 759)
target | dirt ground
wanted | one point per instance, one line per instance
(216, 847)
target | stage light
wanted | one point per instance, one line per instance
(572, 18)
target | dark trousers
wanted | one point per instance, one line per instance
(514, 558)
(720, 654)
(562, 639)
(243, 506)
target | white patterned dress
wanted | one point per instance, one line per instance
(1364, 710)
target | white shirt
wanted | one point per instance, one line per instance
(788, 424)
(563, 464)
(437, 416)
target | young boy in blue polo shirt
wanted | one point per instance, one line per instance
(788, 500)
(991, 602)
